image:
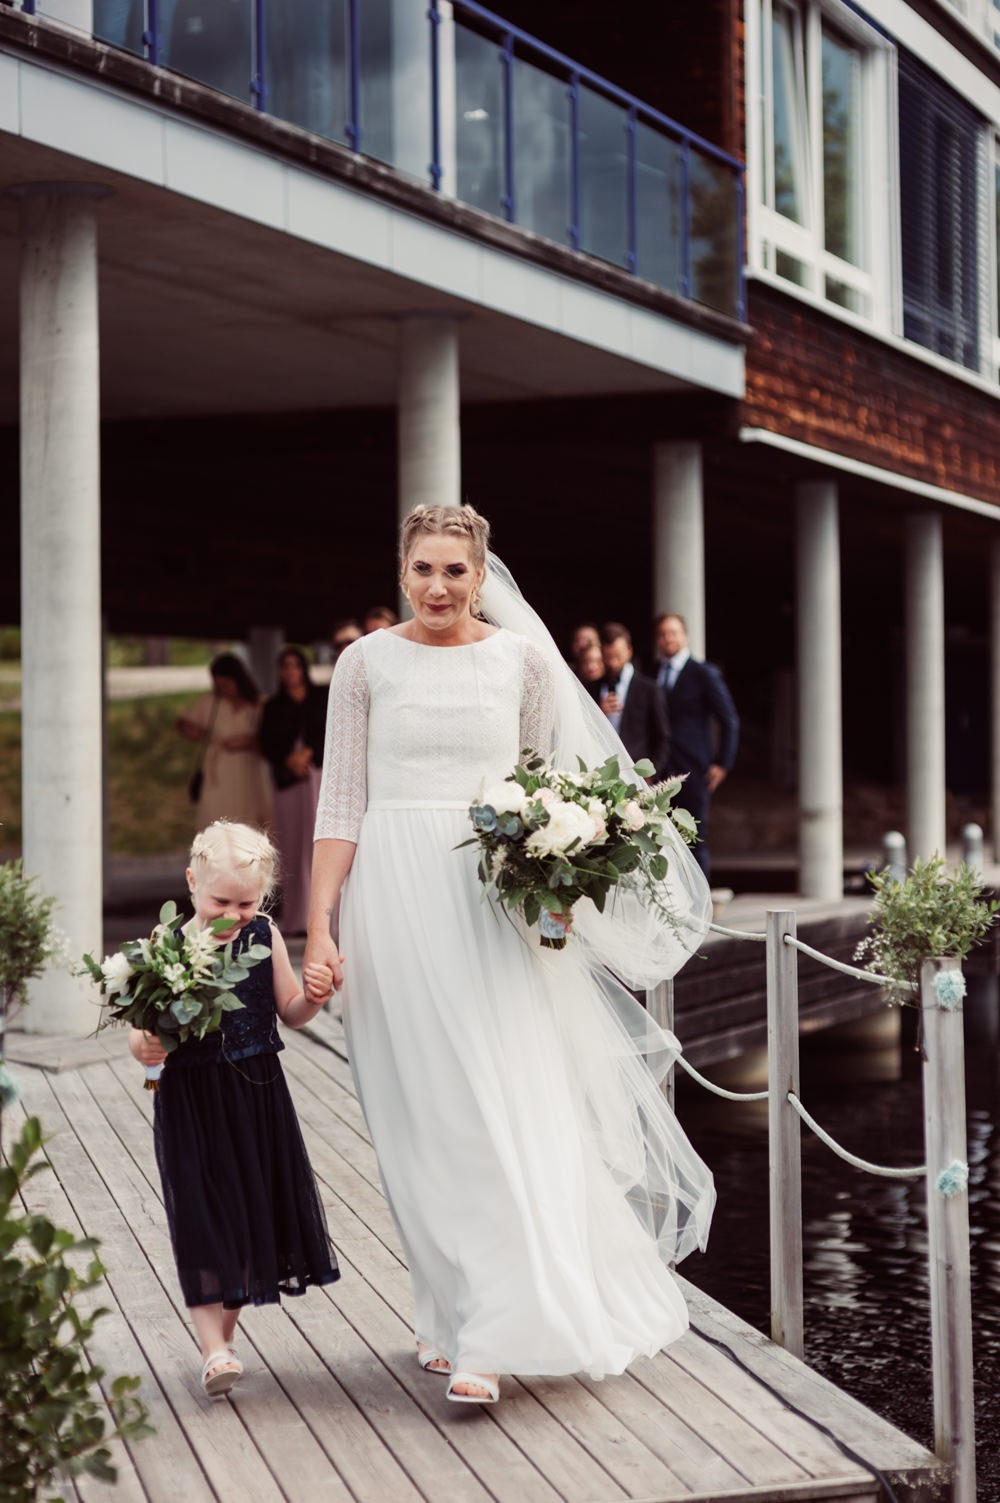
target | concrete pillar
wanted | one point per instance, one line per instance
(412, 113)
(820, 770)
(263, 645)
(60, 580)
(925, 741)
(679, 537)
(995, 693)
(429, 440)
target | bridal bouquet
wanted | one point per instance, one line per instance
(174, 984)
(549, 838)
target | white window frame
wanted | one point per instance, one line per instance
(877, 281)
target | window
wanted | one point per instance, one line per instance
(823, 221)
(944, 228)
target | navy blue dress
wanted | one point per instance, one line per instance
(244, 1213)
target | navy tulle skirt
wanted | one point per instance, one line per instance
(245, 1217)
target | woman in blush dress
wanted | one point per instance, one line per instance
(540, 1184)
(235, 783)
(291, 738)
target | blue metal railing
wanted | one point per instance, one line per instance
(544, 142)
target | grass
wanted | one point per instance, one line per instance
(149, 766)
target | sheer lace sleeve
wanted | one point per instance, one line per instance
(344, 789)
(537, 702)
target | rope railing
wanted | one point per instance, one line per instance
(945, 1171)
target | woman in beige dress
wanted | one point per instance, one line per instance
(235, 784)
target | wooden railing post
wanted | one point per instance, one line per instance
(948, 1222)
(660, 1006)
(784, 1134)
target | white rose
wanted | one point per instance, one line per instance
(568, 824)
(547, 797)
(505, 798)
(598, 814)
(632, 816)
(116, 972)
(174, 974)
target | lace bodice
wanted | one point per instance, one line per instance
(251, 1029)
(410, 724)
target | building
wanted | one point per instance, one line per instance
(356, 256)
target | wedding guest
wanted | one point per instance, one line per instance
(235, 783)
(633, 703)
(585, 638)
(377, 617)
(589, 666)
(291, 737)
(342, 634)
(246, 1222)
(704, 724)
(539, 1181)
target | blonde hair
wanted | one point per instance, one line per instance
(454, 521)
(230, 849)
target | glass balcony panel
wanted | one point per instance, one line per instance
(307, 48)
(375, 20)
(541, 152)
(658, 218)
(603, 178)
(479, 129)
(208, 40)
(714, 239)
(120, 23)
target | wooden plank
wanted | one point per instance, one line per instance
(911, 1469)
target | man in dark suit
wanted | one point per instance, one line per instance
(704, 725)
(634, 705)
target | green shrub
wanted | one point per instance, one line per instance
(932, 913)
(53, 1419)
(29, 941)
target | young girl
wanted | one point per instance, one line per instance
(245, 1218)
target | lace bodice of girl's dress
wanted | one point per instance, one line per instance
(250, 1029)
(410, 724)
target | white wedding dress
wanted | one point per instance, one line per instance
(538, 1180)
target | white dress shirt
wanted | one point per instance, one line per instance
(671, 667)
(624, 679)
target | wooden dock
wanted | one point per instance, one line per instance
(334, 1407)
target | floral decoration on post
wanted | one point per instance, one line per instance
(549, 838)
(175, 984)
(932, 914)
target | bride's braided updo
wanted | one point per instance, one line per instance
(456, 521)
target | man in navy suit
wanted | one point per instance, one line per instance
(704, 725)
(632, 702)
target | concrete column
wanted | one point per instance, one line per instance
(429, 440)
(820, 770)
(679, 537)
(263, 645)
(994, 834)
(925, 741)
(60, 580)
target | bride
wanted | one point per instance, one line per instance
(539, 1182)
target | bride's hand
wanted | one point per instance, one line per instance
(322, 962)
(319, 983)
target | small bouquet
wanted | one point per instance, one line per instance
(173, 984)
(549, 838)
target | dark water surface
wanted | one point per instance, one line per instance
(865, 1238)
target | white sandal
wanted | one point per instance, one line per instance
(228, 1372)
(490, 1394)
(429, 1356)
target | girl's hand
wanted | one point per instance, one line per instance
(320, 980)
(146, 1047)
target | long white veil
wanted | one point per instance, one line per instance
(618, 1053)
(632, 940)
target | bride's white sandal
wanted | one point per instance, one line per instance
(490, 1388)
(427, 1356)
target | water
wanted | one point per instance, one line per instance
(865, 1238)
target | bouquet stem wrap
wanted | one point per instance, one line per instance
(153, 1073)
